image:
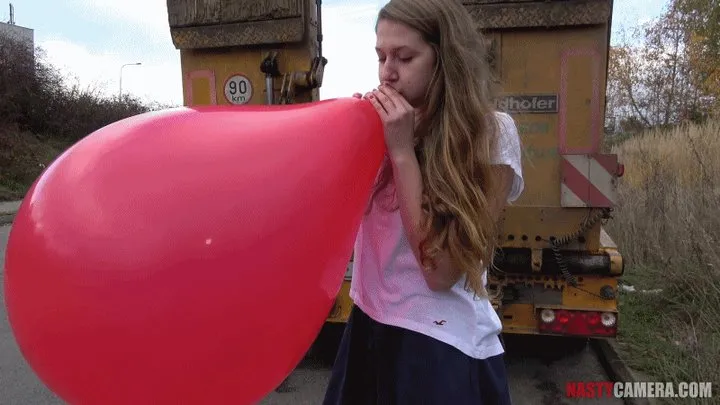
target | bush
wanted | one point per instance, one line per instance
(41, 115)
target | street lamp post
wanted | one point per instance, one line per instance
(121, 71)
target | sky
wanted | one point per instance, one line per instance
(91, 39)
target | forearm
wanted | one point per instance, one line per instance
(409, 187)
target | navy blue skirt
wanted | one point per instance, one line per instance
(380, 364)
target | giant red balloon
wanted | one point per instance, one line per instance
(189, 256)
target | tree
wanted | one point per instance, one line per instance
(702, 20)
(672, 74)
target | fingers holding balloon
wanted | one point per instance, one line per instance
(385, 100)
(398, 118)
(381, 109)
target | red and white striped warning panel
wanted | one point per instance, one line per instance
(589, 180)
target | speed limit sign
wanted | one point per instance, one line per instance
(238, 89)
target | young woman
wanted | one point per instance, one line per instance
(423, 330)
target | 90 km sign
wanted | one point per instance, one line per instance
(238, 89)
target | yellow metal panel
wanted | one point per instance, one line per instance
(343, 304)
(200, 88)
(581, 105)
(521, 57)
(569, 65)
(533, 227)
(244, 61)
(587, 295)
(519, 318)
(201, 91)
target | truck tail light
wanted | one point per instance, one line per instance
(577, 323)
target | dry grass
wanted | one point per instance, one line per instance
(668, 227)
(669, 197)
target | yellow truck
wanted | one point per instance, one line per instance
(557, 269)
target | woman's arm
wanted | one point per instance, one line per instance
(408, 183)
(398, 118)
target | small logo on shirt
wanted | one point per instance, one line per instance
(441, 323)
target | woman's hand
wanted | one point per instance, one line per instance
(398, 118)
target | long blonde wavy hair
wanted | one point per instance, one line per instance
(455, 137)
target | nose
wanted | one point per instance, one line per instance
(388, 72)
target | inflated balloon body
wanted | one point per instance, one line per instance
(189, 256)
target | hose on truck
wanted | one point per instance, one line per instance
(557, 243)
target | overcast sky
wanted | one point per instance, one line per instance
(91, 39)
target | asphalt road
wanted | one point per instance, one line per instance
(538, 371)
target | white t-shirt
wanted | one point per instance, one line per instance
(388, 285)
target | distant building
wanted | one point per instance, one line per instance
(11, 30)
(25, 35)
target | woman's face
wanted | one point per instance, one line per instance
(406, 61)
